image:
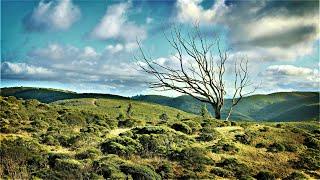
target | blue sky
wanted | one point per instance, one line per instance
(88, 46)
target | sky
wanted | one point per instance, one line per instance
(89, 46)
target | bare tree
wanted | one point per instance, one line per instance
(199, 73)
(241, 82)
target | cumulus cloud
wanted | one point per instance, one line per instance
(191, 11)
(115, 25)
(53, 15)
(291, 77)
(73, 65)
(24, 71)
(271, 30)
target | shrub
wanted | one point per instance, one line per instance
(124, 146)
(50, 140)
(206, 137)
(129, 110)
(296, 176)
(149, 130)
(312, 142)
(233, 123)
(291, 148)
(243, 138)
(279, 126)
(194, 157)
(181, 127)
(265, 129)
(260, 145)
(88, 154)
(265, 175)
(276, 147)
(165, 170)
(126, 123)
(236, 167)
(204, 112)
(221, 172)
(309, 160)
(223, 146)
(139, 171)
(195, 126)
(73, 119)
(164, 117)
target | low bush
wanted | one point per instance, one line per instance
(181, 127)
(139, 171)
(276, 147)
(309, 160)
(50, 140)
(192, 157)
(243, 138)
(149, 130)
(239, 169)
(291, 147)
(261, 145)
(165, 170)
(312, 142)
(123, 146)
(195, 126)
(221, 172)
(265, 129)
(265, 175)
(88, 154)
(296, 176)
(222, 147)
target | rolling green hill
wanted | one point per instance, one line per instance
(285, 106)
(48, 95)
(282, 106)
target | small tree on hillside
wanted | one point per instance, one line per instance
(199, 73)
(129, 111)
(204, 111)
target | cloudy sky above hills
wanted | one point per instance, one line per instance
(88, 46)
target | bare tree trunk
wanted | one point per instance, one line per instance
(217, 111)
(229, 113)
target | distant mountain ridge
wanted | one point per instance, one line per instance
(48, 95)
(282, 106)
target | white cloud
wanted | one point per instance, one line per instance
(291, 77)
(115, 48)
(191, 11)
(115, 24)
(56, 15)
(23, 69)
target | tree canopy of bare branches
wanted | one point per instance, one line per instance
(200, 70)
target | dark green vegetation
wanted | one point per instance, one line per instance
(95, 138)
(285, 106)
(48, 95)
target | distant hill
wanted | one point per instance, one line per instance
(48, 95)
(282, 106)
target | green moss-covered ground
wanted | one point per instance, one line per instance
(122, 139)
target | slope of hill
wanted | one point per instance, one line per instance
(92, 138)
(284, 106)
(48, 95)
(269, 107)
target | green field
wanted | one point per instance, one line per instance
(120, 138)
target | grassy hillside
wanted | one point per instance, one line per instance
(48, 95)
(95, 138)
(271, 107)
